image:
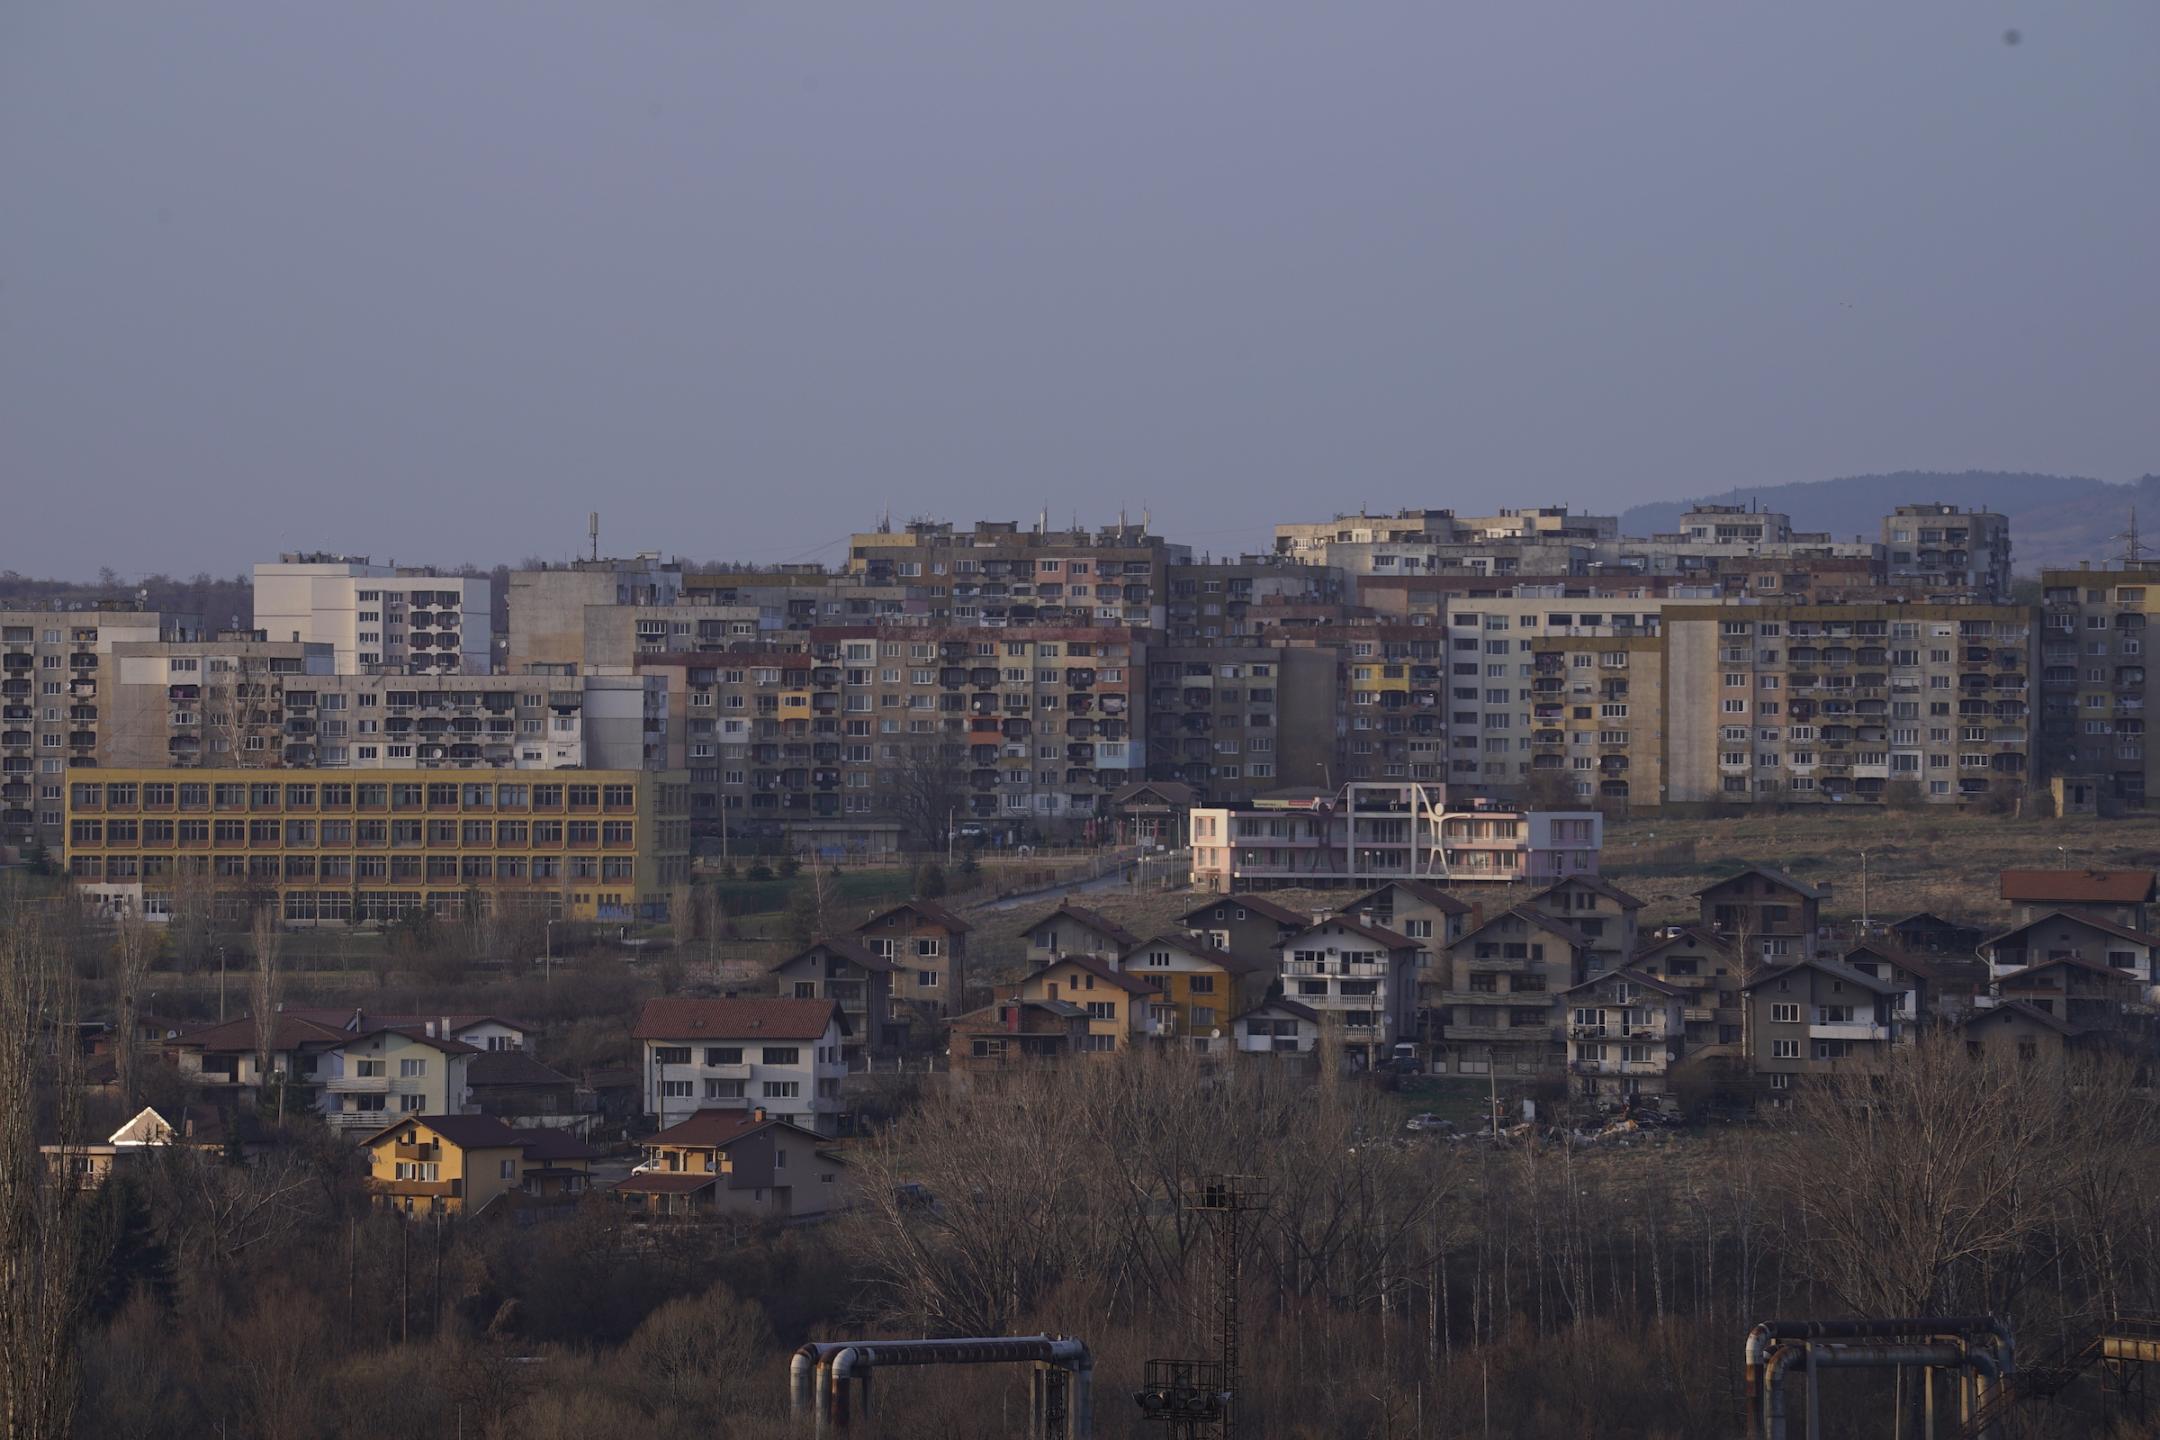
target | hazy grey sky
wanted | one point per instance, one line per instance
(431, 278)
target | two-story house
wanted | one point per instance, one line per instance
(2120, 897)
(372, 1078)
(1117, 1004)
(481, 1031)
(1250, 927)
(1493, 1002)
(443, 1164)
(1358, 977)
(507, 1083)
(1776, 915)
(1935, 988)
(927, 946)
(225, 1056)
(1706, 972)
(1076, 930)
(1011, 1033)
(1420, 911)
(744, 1164)
(1598, 910)
(1624, 1034)
(855, 978)
(1197, 988)
(2059, 935)
(1277, 1027)
(2016, 1031)
(2086, 994)
(1926, 933)
(785, 1057)
(1817, 1017)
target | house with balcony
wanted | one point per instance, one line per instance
(1196, 988)
(1012, 1034)
(1775, 914)
(2120, 897)
(2060, 935)
(1625, 1034)
(443, 1164)
(1249, 926)
(1278, 1028)
(1818, 1017)
(1492, 1006)
(226, 1056)
(857, 979)
(1118, 1005)
(1076, 930)
(786, 1057)
(926, 944)
(1358, 977)
(1930, 988)
(1707, 973)
(736, 1164)
(1926, 933)
(1600, 911)
(372, 1078)
(1420, 910)
(2084, 993)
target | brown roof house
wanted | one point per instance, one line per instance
(2124, 897)
(745, 1164)
(1076, 930)
(1776, 914)
(926, 945)
(1248, 926)
(1012, 1033)
(784, 1057)
(857, 979)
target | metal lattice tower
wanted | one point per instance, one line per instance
(1198, 1398)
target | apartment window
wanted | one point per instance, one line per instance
(1785, 1049)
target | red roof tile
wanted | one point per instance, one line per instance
(2078, 887)
(667, 1019)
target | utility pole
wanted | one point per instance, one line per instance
(1863, 895)
(221, 984)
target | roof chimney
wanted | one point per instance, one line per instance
(758, 1114)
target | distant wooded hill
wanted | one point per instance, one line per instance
(2055, 520)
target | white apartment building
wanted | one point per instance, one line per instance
(781, 1056)
(378, 617)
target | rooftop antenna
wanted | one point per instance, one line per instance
(592, 530)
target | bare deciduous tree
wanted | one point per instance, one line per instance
(42, 1266)
(266, 939)
(133, 944)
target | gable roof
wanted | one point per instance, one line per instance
(419, 1036)
(1287, 1007)
(846, 949)
(1102, 969)
(1592, 883)
(1922, 919)
(2090, 922)
(1268, 909)
(1837, 970)
(1776, 877)
(467, 1132)
(2078, 887)
(1543, 920)
(930, 910)
(2075, 962)
(1375, 933)
(1432, 895)
(758, 1019)
(1221, 959)
(719, 1129)
(2016, 1008)
(1171, 792)
(1691, 935)
(287, 1032)
(547, 1144)
(1633, 977)
(1094, 920)
(358, 1018)
(1890, 955)
(511, 1067)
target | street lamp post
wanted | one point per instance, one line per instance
(547, 950)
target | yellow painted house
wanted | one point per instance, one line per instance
(1117, 1003)
(444, 1164)
(1199, 988)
